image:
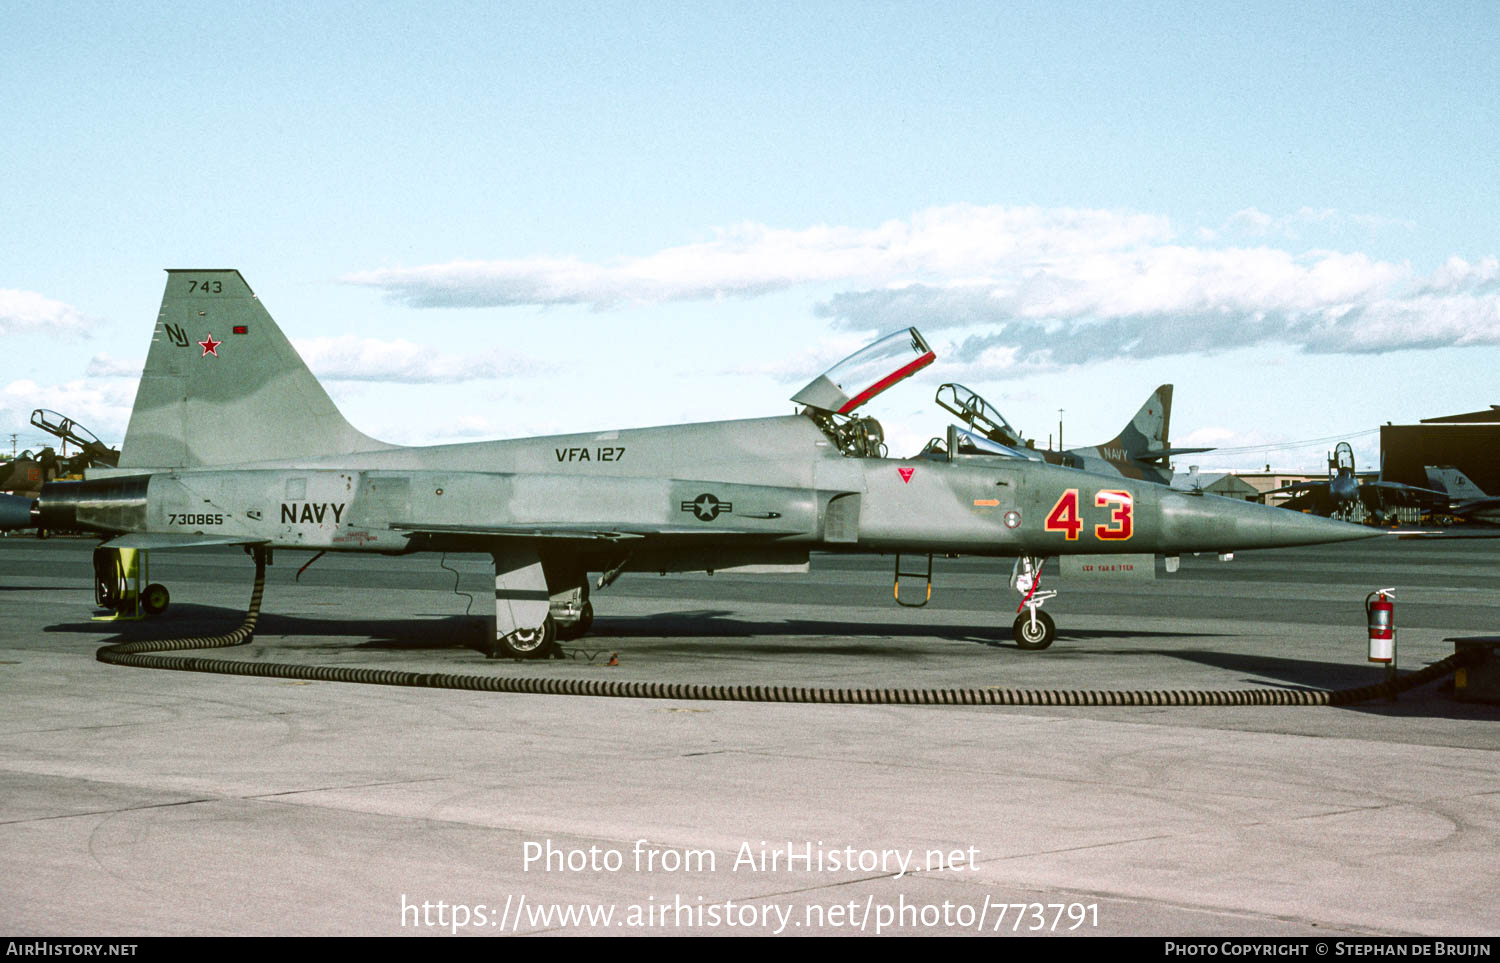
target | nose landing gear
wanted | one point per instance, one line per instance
(1033, 629)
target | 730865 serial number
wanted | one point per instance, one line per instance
(201, 519)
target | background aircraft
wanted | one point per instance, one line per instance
(27, 473)
(1338, 495)
(1452, 495)
(1140, 450)
(91, 451)
(232, 441)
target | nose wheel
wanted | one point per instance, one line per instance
(1033, 629)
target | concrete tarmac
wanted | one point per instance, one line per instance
(141, 802)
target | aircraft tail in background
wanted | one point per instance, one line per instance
(1452, 482)
(1145, 436)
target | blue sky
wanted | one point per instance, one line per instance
(496, 220)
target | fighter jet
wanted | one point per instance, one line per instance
(232, 441)
(27, 473)
(1338, 495)
(1139, 451)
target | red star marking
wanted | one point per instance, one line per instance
(210, 347)
(906, 474)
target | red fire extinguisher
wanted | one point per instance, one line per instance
(1380, 612)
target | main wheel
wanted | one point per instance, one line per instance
(155, 599)
(529, 643)
(1033, 636)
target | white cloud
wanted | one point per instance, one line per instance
(1173, 300)
(1213, 435)
(1254, 223)
(351, 358)
(26, 312)
(1250, 221)
(753, 259)
(108, 366)
(811, 360)
(1033, 286)
(102, 406)
(1458, 275)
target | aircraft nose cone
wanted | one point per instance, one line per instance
(1212, 523)
(15, 511)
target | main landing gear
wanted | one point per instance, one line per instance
(570, 617)
(1033, 629)
(534, 643)
(537, 605)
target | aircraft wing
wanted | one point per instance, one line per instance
(577, 532)
(1430, 497)
(593, 531)
(1453, 505)
(1298, 486)
(1466, 531)
(163, 540)
(1476, 505)
(1406, 489)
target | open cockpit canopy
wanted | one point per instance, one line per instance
(867, 372)
(831, 396)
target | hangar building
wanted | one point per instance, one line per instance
(1469, 442)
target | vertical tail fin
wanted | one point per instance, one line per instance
(1446, 478)
(222, 385)
(1147, 431)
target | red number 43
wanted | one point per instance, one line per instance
(1065, 516)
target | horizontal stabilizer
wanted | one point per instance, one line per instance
(1157, 454)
